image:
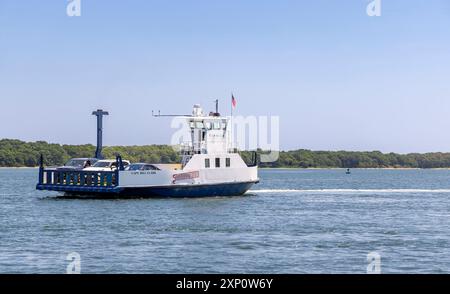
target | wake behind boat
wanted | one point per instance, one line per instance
(209, 167)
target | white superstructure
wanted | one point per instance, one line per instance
(206, 159)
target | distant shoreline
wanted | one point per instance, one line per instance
(16, 153)
(294, 168)
(19, 167)
(357, 168)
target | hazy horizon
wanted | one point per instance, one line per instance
(337, 78)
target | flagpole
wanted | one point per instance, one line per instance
(232, 127)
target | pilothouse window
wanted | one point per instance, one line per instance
(217, 162)
(199, 125)
(227, 162)
(207, 165)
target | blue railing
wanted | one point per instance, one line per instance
(58, 179)
(79, 178)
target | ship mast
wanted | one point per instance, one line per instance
(99, 113)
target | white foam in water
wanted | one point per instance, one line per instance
(348, 191)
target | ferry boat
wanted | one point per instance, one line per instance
(208, 167)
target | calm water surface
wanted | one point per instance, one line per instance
(294, 221)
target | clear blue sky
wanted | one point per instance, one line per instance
(337, 78)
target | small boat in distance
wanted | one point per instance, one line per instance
(209, 167)
(348, 172)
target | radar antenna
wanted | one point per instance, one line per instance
(168, 115)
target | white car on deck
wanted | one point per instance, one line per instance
(106, 165)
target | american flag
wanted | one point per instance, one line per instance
(233, 101)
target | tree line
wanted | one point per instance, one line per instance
(16, 153)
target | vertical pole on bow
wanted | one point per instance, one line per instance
(99, 114)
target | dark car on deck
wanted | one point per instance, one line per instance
(78, 164)
(141, 166)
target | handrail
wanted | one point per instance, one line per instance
(79, 178)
